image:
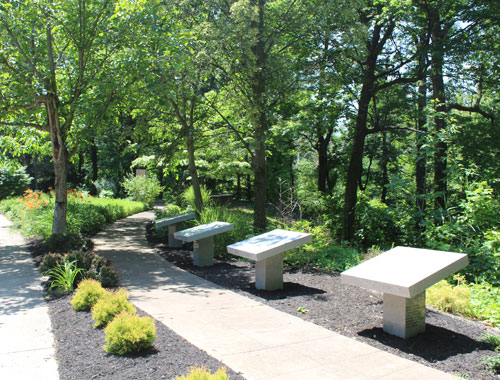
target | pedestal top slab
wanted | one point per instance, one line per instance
(405, 271)
(203, 231)
(175, 219)
(263, 246)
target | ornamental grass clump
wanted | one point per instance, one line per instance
(109, 306)
(202, 373)
(88, 293)
(128, 334)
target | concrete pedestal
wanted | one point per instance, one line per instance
(172, 241)
(404, 317)
(203, 252)
(269, 273)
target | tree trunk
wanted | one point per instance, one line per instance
(258, 92)
(438, 90)
(60, 156)
(198, 201)
(323, 162)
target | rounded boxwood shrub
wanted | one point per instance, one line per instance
(109, 306)
(128, 333)
(201, 373)
(88, 293)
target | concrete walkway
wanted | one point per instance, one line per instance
(256, 340)
(26, 342)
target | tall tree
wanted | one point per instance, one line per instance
(380, 67)
(52, 54)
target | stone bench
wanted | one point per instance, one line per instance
(267, 250)
(203, 238)
(403, 274)
(174, 223)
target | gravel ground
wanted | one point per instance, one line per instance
(452, 344)
(80, 355)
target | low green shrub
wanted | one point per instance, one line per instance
(63, 275)
(128, 333)
(169, 209)
(142, 188)
(451, 299)
(242, 222)
(493, 362)
(88, 293)
(494, 340)
(321, 252)
(109, 306)
(188, 197)
(92, 266)
(201, 373)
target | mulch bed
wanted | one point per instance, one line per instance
(451, 343)
(80, 354)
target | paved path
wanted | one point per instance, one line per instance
(256, 340)
(26, 342)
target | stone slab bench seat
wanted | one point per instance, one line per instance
(174, 223)
(267, 250)
(403, 274)
(202, 237)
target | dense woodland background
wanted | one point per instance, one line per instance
(375, 119)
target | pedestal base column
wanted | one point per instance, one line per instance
(404, 317)
(172, 241)
(269, 273)
(203, 252)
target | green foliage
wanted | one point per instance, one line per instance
(494, 340)
(169, 209)
(473, 227)
(142, 188)
(202, 373)
(375, 223)
(33, 214)
(13, 179)
(485, 301)
(67, 242)
(241, 220)
(451, 299)
(188, 197)
(92, 266)
(109, 306)
(494, 363)
(321, 252)
(88, 293)
(63, 275)
(128, 333)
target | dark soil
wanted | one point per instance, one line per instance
(80, 354)
(450, 343)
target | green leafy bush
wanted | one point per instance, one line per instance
(88, 293)
(169, 209)
(242, 222)
(109, 306)
(202, 373)
(128, 333)
(451, 299)
(375, 223)
(63, 275)
(142, 188)
(13, 179)
(321, 252)
(188, 197)
(92, 266)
